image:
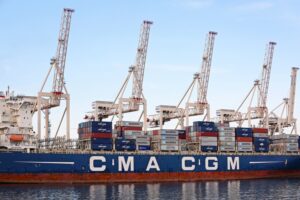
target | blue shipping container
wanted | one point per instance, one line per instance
(101, 141)
(209, 148)
(261, 144)
(107, 147)
(125, 147)
(203, 124)
(122, 141)
(261, 139)
(144, 147)
(261, 149)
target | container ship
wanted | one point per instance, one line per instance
(143, 150)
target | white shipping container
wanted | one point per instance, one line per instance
(223, 134)
(295, 145)
(128, 132)
(227, 143)
(227, 139)
(168, 148)
(129, 123)
(245, 149)
(163, 137)
(260, 135)
(226, 129)
(244, 144)
(209, 143)
(169, 142)
(130, 137)
(227, 148)
(143, 143)
(208, 139)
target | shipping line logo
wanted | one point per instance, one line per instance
(188, 163)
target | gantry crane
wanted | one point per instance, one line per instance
(286, 117)
(121, 105)
(48, 100)
(260, 88)
(200, 106)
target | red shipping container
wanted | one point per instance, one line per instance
(207, 134)
(181, 136)
(260, 130)
(244, 139)
(155, 132)
(129, 128)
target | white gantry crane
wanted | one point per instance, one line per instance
(278, 122)
(121, 105)
(200, 106)
(48, 100)
(260, 88)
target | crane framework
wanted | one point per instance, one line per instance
(277, 122)
(260, 89)
(121, 105)
(48, 100)
(200, 106)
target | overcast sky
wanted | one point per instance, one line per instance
(104, 37)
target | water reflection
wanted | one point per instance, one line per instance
(245, 189)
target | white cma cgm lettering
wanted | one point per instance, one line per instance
(92, 162)
(211, 163)
(123, 164)
(184, 163)
(233, 164)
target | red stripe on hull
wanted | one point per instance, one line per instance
(144, 177)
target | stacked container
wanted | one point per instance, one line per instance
(127, 134)
(261, 140)
(168, 140)
(226, 139)
(284, 143)
(208, 134)
(122, 144)
(244, 139)
(143, 142)
(97, 134)
(182, 139)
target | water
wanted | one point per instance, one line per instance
(246, 189)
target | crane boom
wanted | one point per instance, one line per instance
(265, 76)
(291, 102)
(206, 66)
(139, 67)
(61, 53)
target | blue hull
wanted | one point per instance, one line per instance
(19, 167)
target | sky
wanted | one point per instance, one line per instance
(104, 37)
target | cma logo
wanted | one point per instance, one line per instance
(188, 163)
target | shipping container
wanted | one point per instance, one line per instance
(209, 148)
(208, 139)
(209, 143)
(129, 123)
(244, 139)
(227, 148)
(227, 139)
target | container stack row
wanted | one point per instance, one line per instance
(284, 143)
(127, 134)
(226, 139)
(261, 140)
(97, 135)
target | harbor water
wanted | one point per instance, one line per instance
(239, 189)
